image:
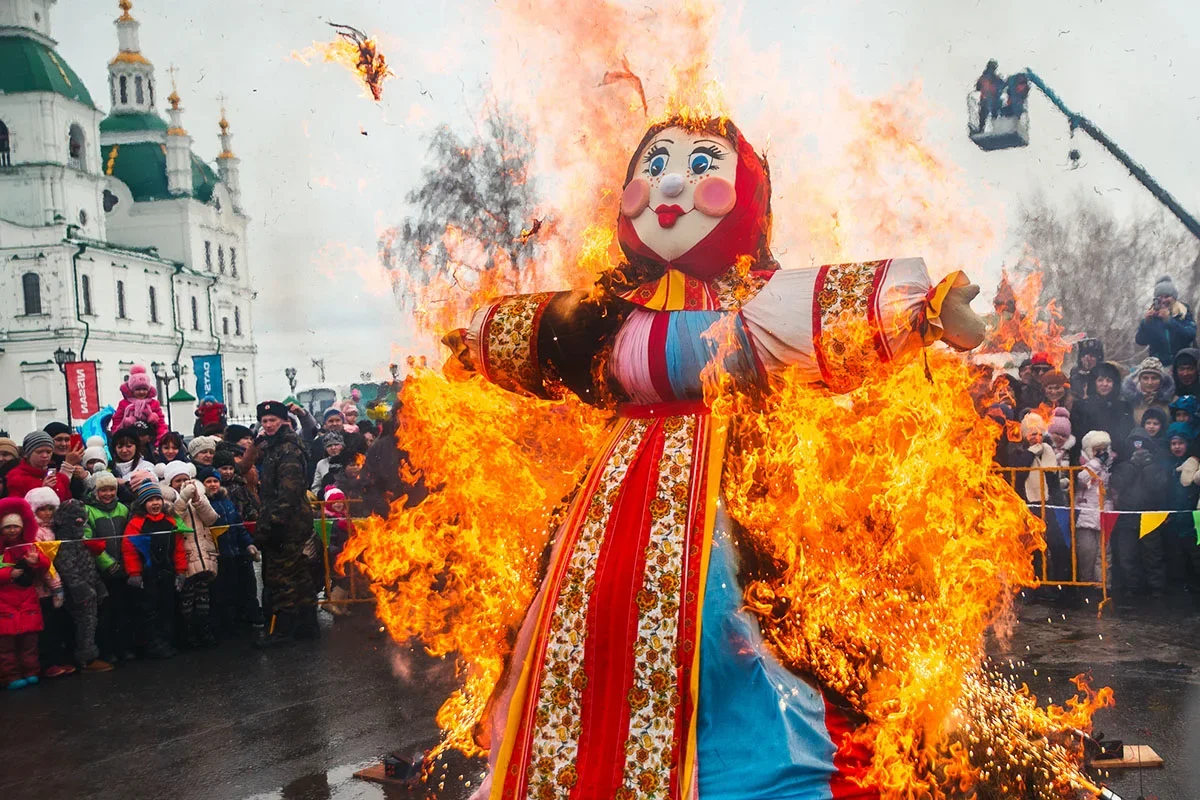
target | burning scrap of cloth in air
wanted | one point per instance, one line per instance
(356, 51)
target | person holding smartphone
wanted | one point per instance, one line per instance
(68, 456)
(1168, 325)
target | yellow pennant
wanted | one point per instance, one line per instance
(49, 548)
(1151, 521)
(217, 530)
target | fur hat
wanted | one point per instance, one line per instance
(95, 450)
(138, 379)
(1095, 441)
(201, 443)
(102, 479)
(176, 468)
(273, 408)
(33, 441)
(1060, 423)
(41, 497)
(1032, 422)
(1150, 364)
(147, 491)
(1165, 287)
(9, 446)
(235, 433)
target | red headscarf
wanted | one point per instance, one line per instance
(743, 231)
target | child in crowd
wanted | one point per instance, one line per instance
(202, 449)
(333, 441)
(1155, 421)
(1061, 440)
(139, 403)
(22, 565)
(156, 562)
(244, 499)
(1140, 481)
(337, 533)
(1179, 530)
(236, 591)
(76, 564)
(95, 456)
(191, 506)
(210, 414)
(1096, 457)
(171, 448)
(54, 640)
(127, 458)
(106, 519)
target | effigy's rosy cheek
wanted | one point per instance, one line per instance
(715, 196)
(635, 198)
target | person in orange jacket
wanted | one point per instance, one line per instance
(156, 562)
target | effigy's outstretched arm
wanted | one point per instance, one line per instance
(833, 322)
(539, 344)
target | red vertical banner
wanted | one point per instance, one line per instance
(84, 392)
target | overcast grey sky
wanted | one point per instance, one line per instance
(318, 190)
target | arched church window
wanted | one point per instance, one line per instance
(195, 315)
(124, 89)
(75, 147)
(150, 86)
(139, 91)
(31, 287)
(5, 154)
(112, 91)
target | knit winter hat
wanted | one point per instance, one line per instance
(146, 492)
(331, 438)
(332, 411)
(9, 446)
(102, 479)
(33, 441)
(1181, 430)
(176, 468)
(1032, 422)
(1150, 364)
(41, 497)
(1165, 287)
(1095, 441)
(1060, 423)
(95, 450)
(204, 473)
(224, 458)
(1154, 412)
(1054, 378)
(235, 433)
(11, 519)
(202, 443)
(1187, 402)
(334, 495)
(56, 428)
(138, 379)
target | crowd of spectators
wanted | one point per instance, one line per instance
(142, 542)
(1135, 432)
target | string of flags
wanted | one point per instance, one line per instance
(1148, 521)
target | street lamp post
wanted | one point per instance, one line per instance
(62, 358)
(290, 372)
(165, 378)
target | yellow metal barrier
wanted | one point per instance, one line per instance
(1055, 473)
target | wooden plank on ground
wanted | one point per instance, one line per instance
(376, 774)
(1135, 756)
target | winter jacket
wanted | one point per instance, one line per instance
(1109, 413)
(243, 497)
(131, 410)
(1192, 388)
(20, 611)
(108, 523)
(75, 560)
(1038, 484)
(24, 477)
(153, 541)
(388, 475)
(194, 510)
(1179, 496)
(1096, 458)
(1139, 403)
(285, 515)
(1139, 478)
(236, 540)
(1167, 337)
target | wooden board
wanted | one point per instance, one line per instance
(376, 774)
(1135, 756)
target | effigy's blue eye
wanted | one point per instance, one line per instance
(699, 163)
(657, 165)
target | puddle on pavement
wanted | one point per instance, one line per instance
(453, 779)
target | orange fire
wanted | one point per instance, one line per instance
(1021, 325)
(894, 549)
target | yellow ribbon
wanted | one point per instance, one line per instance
(934, 330)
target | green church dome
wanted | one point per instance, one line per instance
(27, 65)
(142, 167)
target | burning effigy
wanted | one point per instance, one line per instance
(712, 528)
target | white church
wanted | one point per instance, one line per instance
(118, 243)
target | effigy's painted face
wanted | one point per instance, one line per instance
(682, 188)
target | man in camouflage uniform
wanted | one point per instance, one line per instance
(285, 524)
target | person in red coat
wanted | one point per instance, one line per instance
(20, 612)
(34, 469)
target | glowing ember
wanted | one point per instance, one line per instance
(357, 52)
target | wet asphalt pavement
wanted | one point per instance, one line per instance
(296, 723)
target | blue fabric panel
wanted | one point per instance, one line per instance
(689, 351)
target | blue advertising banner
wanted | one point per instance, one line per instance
(209, 377)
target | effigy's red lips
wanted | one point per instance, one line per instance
(669, 215)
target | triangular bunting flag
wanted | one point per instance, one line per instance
(49, 548)
(1108, 521)
(217, 530)
(1152, 521)
(1196, 523)
(321, 528)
